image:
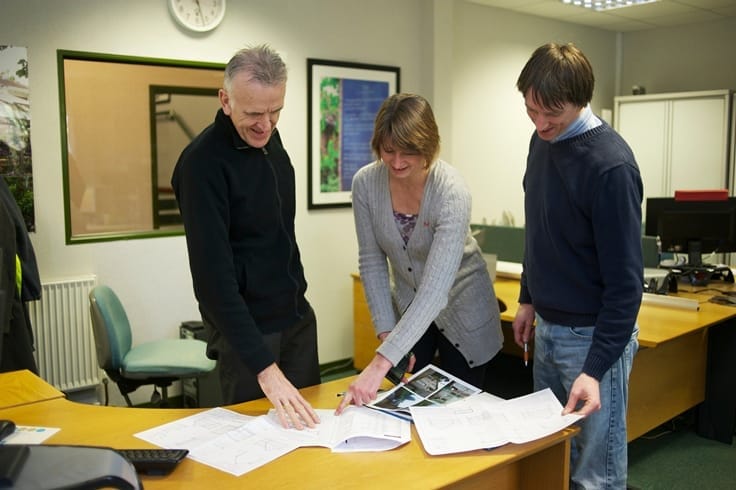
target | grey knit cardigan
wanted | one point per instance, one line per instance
(438, 276)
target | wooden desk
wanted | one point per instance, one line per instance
(669, 373)
(657, 324)
(24, 387)
(539, 464)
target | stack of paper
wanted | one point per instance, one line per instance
(483, 422)
(237, 443)
(450, 416)
(511, 270)
(357, 429)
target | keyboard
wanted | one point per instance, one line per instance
(154, 461)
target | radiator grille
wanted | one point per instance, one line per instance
(65, 344)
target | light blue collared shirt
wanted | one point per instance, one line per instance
(584, 122)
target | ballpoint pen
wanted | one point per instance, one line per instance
(526, 354)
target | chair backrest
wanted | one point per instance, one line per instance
(113, 337)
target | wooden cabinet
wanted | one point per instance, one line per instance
(680, 140)
(365, 341)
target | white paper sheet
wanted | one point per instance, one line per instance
(358, 429)
(226, 440)
(237, 443)
(28, 434)
(479, 422)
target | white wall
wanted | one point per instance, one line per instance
(152, 275)
(488, 126)
(490, 129)
(679, 59)
(464, 57)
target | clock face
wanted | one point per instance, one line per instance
(198, 15)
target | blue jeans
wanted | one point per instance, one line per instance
(598, 457)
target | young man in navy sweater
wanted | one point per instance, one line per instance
(583, 272)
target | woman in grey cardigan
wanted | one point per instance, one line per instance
(426, 282)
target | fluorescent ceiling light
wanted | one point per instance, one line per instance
(600, 5)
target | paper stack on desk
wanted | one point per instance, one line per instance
(358, 429)
(484, 422)
(510, 270)
(237, 443)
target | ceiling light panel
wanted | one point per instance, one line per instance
(601, 5)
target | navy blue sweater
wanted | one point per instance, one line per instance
(582, 257)
(238, 207)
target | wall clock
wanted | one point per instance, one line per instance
(197, 15)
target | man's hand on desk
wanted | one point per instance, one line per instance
(293, 410)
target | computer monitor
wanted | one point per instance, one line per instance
(694, 227)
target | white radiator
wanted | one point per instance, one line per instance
(65, 344)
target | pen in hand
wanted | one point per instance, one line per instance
(526, 354)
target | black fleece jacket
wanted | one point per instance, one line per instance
(238, 207)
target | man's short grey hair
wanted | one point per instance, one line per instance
(262, 63)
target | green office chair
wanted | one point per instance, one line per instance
(157, 363)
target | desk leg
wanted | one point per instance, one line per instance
(666, 381)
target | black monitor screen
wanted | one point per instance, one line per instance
(692, 227)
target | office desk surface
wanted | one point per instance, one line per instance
(657, 324)
(23, 387)
(669, 373)
(533, 465)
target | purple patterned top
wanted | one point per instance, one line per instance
(406, 223)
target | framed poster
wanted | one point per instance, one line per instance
(16, 167)
(342, 101)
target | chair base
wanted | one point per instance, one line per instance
(127, 385)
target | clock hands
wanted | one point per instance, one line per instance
(199, 11)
